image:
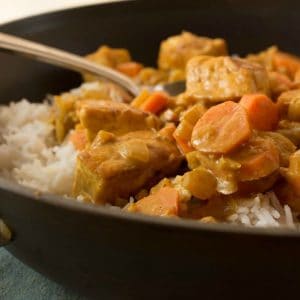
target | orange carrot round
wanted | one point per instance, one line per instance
(258, 158)
(130, 69)
(163, 203)
(182, 143)
(263, 113)
(155, 102)
(221, 129)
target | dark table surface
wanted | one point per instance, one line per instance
(19, 282)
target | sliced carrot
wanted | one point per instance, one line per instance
(184, 144)
(130, 69)
(286, 63)
(221, 129)
(182, 136)
(184, 129)
(140, 99)
(263, 113)
(163, 203)
(258, 158)
(155, 103)
(79, 139)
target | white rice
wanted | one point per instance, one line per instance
(28, 153)
(264, 210)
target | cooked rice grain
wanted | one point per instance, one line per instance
(264, 210)
(28, 153)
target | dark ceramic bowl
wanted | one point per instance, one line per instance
(109, 254)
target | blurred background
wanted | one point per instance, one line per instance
(16, 9)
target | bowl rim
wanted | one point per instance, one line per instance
(119, 214)
(114, 212)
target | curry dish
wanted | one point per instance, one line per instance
(233, 132)
(232, 135)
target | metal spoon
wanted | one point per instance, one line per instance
(74, 62)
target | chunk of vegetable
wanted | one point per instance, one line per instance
(285, 147)
(258, 158)
(279, 83)
(221, 129)
(155, 103)
(259, 185)
(64, 115)
(184, 130)
(140, 99)
(107, 56)
(284, 101)
(263, 113)
(290, 130)
(167, 131)
(275, 60)
(289, 105)
(130, 69)
(200, 182)
(286, 63)
(151, 76)
(223, 168)
(162, 203)
(110, 57)
(183, 145)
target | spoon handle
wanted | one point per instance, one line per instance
(63, 59)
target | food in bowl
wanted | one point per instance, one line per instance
(225, 150)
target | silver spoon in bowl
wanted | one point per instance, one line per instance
(77, 63)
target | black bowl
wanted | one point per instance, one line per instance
(111, 254)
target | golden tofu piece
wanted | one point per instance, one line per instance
(65, 105)
(177, 50)
(121, 166)
(118, 118)
(217, 79)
